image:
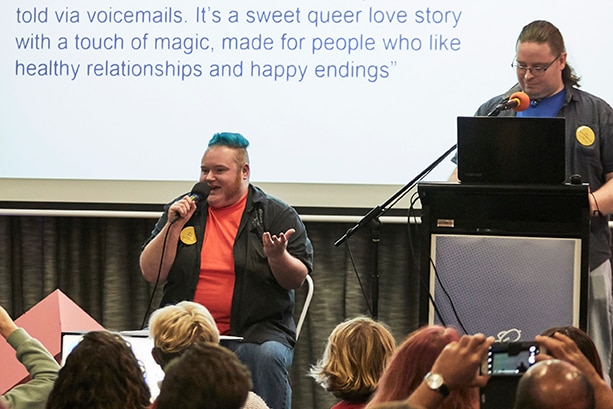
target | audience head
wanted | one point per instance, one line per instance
(101, 372)
(554, 384)
(354, 359)
(584, 343)
(176, 327)
(205, 376)
(412, 360)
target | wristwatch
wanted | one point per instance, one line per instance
(436, 383)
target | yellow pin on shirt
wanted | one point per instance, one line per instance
(585, 135)
(188, 235)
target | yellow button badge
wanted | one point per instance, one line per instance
(188, 235)
(585, 135)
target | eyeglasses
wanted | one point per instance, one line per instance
(536, 70)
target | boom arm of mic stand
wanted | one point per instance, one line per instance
(495, 111)
(380, 210)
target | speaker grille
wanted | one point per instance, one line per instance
(508, 287)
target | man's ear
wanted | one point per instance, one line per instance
(563, 60)
(246, 171)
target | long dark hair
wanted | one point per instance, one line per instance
(101, 372)
(584, 343)
(543, 32)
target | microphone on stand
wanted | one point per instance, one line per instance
(518, 101)
(199, 192)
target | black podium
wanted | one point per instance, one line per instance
(508, 261)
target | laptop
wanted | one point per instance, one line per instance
(141, 344)
(511, 150)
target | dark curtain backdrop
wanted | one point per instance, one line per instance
(94, 261)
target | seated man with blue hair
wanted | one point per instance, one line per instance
(240, 253)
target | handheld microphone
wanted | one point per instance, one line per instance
(199, 192)
(518, 101)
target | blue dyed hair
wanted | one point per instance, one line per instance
(229, 139)
(234, 141)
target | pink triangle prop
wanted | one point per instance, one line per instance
(45, 321)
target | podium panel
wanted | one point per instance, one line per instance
(506, 261)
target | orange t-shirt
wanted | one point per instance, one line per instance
(216, 282)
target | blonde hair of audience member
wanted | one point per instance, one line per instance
(101, 372)
(412, 360)
(176, 327)
(354, 359)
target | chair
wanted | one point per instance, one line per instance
(307, 301)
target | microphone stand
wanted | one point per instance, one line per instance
(495, 111)
(374, 291)
(373, 216)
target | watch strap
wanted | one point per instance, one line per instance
(444, 390)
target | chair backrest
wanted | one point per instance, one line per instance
(305, 306)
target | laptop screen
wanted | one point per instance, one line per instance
(511, 150)
(141, 344)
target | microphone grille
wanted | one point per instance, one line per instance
(524, 100)
(201, 189)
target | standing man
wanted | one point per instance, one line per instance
(241, 253)
(544, 74)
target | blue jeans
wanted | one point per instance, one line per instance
(269, 364)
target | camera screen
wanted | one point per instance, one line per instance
(505, 363)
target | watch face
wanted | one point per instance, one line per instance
(434, 380)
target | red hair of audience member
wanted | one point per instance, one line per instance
(412, 360)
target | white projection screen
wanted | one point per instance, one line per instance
(344, 102)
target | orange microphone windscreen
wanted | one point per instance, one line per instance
(523, 100)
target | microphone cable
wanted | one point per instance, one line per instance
(199, 192)
(157, 279)
(422, 284)
(451, 304)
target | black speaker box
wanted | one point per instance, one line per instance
(506, 261)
